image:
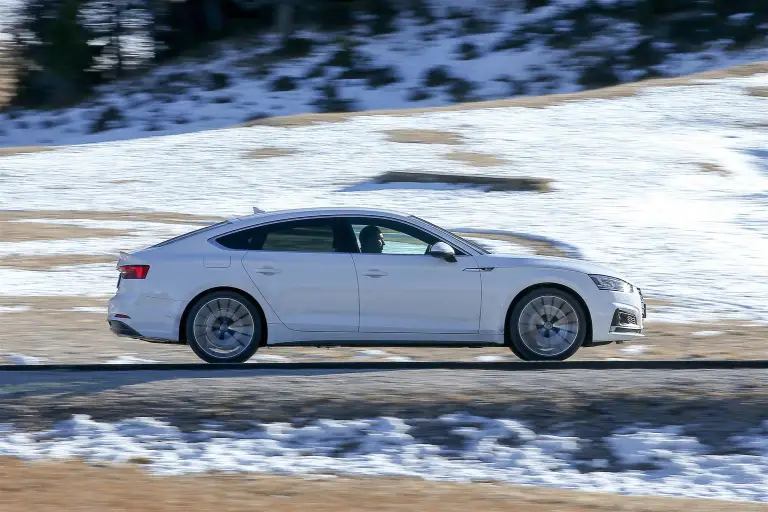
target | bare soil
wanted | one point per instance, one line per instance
(424, 137)
(49, 262)
(24, 231)
(618, 91)
(73, 486)
(164, 217)
(475, 158)
(53, 331)
(263, 153)
(714, 169)
(20, 150)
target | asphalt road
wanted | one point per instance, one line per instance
(714, 404)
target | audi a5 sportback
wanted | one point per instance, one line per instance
(359, 277)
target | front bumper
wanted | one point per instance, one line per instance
(617, 316)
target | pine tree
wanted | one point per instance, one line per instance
(56, 62)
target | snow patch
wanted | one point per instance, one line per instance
(129, 359)
(643, 461)
(21, 359)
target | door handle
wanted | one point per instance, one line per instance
(267, 271)
(375, 273)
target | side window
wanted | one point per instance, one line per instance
(383, 236)
(316, 235)
(300, 236)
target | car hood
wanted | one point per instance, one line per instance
(508, 260)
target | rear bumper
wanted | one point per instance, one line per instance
(122, 329)
(144, 317)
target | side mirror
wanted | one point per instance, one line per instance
(444, 251)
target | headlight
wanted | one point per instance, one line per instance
(613, 284)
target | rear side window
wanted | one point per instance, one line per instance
(317, 235)
(191, 233)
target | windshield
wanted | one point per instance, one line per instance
(445, 231)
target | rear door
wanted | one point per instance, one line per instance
(309, 285)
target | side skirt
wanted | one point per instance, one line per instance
(387, 344)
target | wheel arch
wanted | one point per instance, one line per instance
(557, 286)
(188, 308)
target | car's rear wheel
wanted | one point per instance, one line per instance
(224, 327)
(547, 324)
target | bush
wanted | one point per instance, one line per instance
(383, 16)
(381, 77)
(330, 101)
(467, 51)
(513, 41)
(109, 119)
(255, 117)
(295, 47)
(436, 76)
(345, 58)
(644, 55)
(598, 75)
(316, 72)
(218, 81)
(530, 5)
(472, 25)
(420, 9)
(419, 94)
(222, 99)
(283, 83)
(460, 90)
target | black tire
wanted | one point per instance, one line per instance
(552, 299)
(202, 340)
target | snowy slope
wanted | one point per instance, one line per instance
(514, 55)
(630, 189)
(638, 460)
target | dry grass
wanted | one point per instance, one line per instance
(84, 337)
(70, 486)
(263, 153)
(24, 231)
(163, 217)
(489, 183)
(760, 92)
(424, 137)
(51, 261)
(608, 93)
(21, 150)
(476, 159)
(540, 247)
(714, 169)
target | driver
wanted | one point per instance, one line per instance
(371, 240)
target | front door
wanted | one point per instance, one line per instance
(309, 285)
(405, 290)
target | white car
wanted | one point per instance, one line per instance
(360, 277)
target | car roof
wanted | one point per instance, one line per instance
(299, 213)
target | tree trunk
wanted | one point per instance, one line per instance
(284, 19)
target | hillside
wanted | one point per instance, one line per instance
(667, 184)
(449, 53)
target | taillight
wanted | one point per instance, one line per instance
(134, 271)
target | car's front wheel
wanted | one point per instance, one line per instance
(547, 324)
(224, 327)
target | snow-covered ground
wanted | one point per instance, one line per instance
(512, 55)
(630, 189)
(637, 460)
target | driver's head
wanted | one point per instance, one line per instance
(371, 240)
